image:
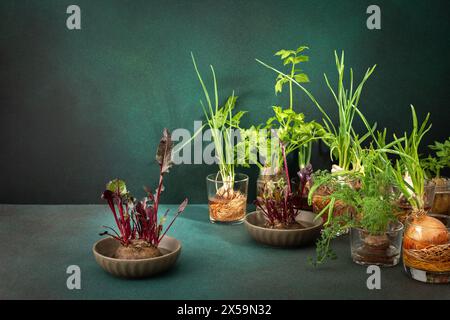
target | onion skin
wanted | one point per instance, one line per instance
(425, 231)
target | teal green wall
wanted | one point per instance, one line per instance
(78, 108)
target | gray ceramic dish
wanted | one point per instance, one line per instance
(254, 223)
(142, 268)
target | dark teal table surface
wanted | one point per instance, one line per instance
(39, 242)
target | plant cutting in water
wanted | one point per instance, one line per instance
(138, 229)
(426, 244)
(368, 208)
(227, 204)
(340, 139)
(222, 122)
(344, 143)
(289, 129)
(294, 132)
(325, 183)
(286, 126)
(300, 138)
(297, 134)
(375, 152)
(409, 173)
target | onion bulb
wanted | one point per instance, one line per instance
(425, 231)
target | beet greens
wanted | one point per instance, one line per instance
(304, 175)
(278, 203)
(138, 220)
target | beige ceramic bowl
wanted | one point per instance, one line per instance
(142, 268)
(254, 222)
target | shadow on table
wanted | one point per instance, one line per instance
(170, 273)
(196, 212)
(238, 235)
(200, 212)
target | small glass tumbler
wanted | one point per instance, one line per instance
(269, 182)
(227, 200)
(426, 249)
(441, 203)
(381, 249)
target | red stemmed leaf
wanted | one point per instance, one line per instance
(139, 219)
(183, 205)
(164, 153)
(107, 195)
(117, 186)
(179, 211)
(149, 192)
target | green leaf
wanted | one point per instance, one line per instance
(301, 49)
(288, 61)
(235, 120)
(117, 185)
(279, 86)
(434, 164)
(285, 53)
(299, 59)
(301, 78)
(231, 103)
(280, 53)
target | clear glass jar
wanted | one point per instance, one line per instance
(426, 248)
(269, 182)
(320, 201)
(320, 198)
(441, 203)
(227, 200)
(381, 250)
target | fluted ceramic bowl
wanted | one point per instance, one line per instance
(254, 223)
(104, 250)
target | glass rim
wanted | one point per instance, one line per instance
(445, 186)
(434, 215)
(399, 227)
(442, 177)
(216, 177)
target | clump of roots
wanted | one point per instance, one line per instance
(137, 249)
(227, 205)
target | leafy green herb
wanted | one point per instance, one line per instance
(256, 147)
(342, 139)
(286, 126)
(222, 123)
(291, 58)
(408, 171)
(294, 132)
(332, 231)
(434, 164)
(370, 206)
